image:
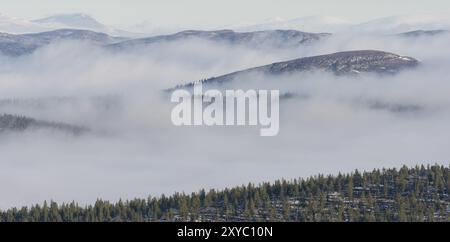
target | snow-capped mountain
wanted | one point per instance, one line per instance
(19, 26)
(404, 23)
(308, 24)
(61, 21)
(387, 25)
(78, 21)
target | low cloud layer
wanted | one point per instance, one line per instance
(331, 124)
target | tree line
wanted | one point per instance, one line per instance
(417, 194)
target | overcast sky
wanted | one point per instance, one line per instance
(218, 12)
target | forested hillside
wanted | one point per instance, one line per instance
(408, 194)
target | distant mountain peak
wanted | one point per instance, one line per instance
(16, 25)
(74, 20)
(79, 21)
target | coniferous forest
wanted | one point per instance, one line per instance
(389, 195)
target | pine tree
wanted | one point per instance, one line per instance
(416, 194)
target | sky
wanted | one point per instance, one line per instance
(203, 13)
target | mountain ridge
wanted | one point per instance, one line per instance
(20, 44)
(339, 63)
(274, 38)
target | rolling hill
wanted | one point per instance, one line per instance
(341, 63)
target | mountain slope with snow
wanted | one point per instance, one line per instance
(341, 63)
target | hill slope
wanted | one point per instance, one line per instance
(409, 194)
(341, 63)
(16, 45)
(270, 38)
